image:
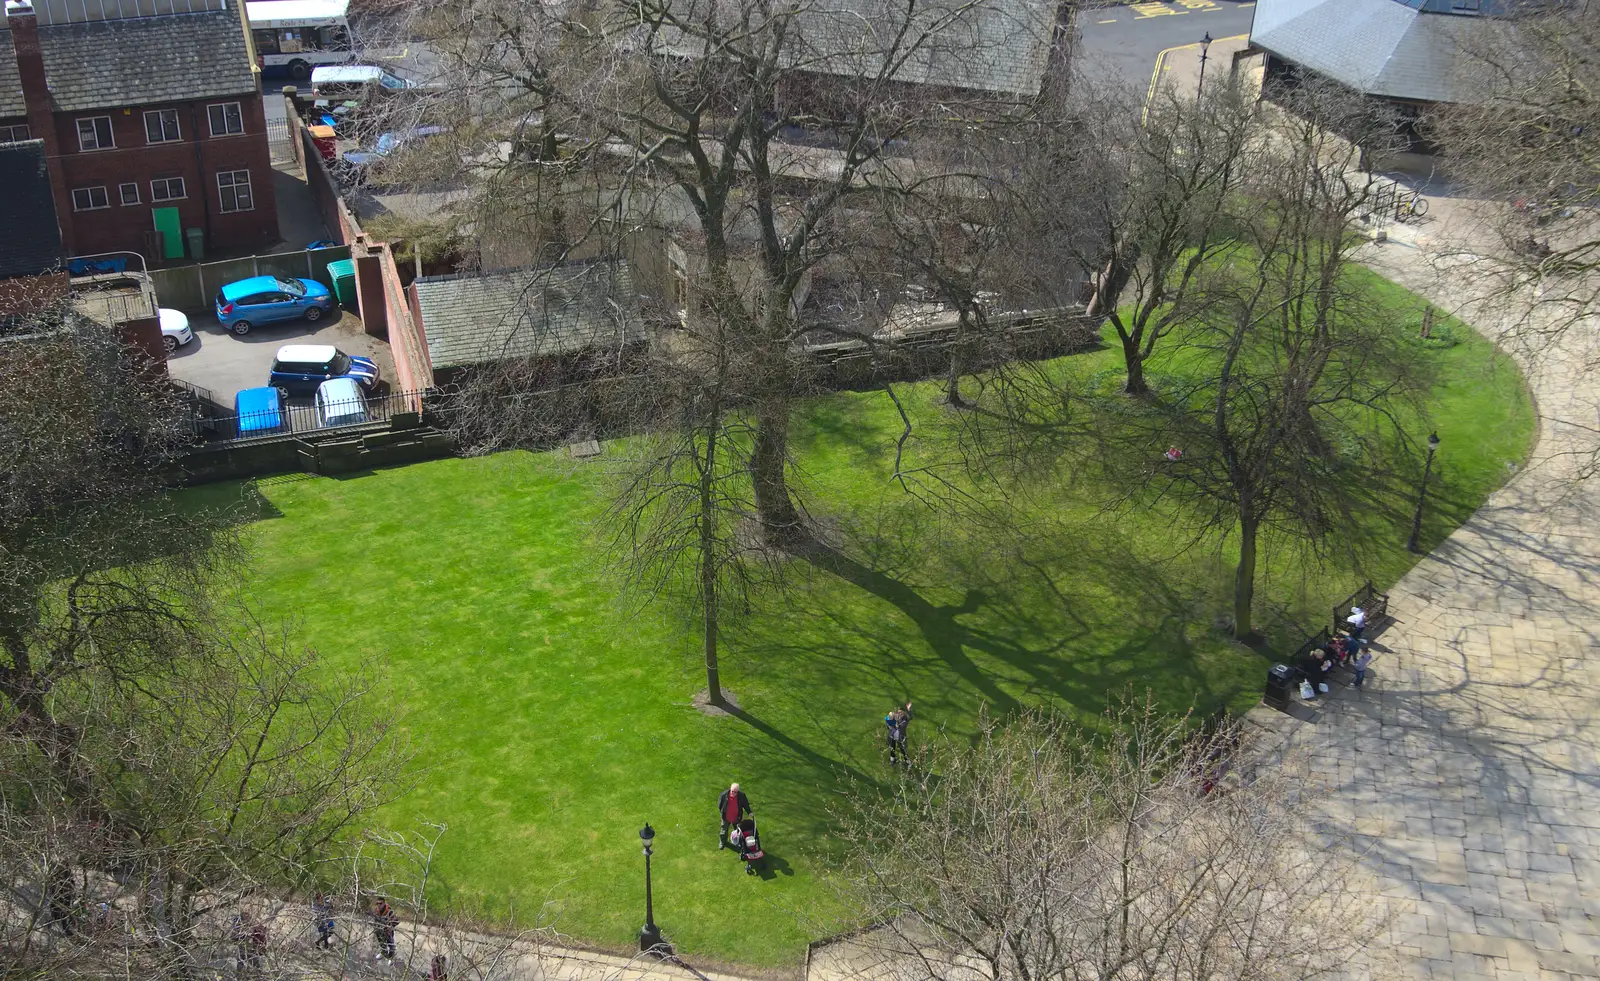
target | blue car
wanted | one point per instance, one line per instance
(270, 299)
(260, 411)
(301, 369)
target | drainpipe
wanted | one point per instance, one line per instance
(200, 162)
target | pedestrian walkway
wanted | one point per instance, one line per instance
(1467, 774)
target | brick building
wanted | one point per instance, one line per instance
(151, 118)
(32, 274)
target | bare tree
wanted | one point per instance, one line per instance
(101, 574)
(236, 766)
(1527, 140)
(1149, 196)
(1293, 414)
(1148, 850)
(681, 498)
(746, 131)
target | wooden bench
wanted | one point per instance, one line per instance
(1368, 598)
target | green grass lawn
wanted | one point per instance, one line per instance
(555, 719)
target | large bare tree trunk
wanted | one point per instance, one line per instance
(1134, 361)
(708, 566)
(952, 381)
(1244, 579)
(780, 521)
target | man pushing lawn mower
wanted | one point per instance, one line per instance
(738, 827)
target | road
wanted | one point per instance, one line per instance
(1123, 41)
(409, 59)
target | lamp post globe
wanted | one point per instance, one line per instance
(650, 935)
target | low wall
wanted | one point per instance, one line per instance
(412, 367)
(407, 441)
(341, 221)
(195, 287)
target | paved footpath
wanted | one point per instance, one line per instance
(1467, 774)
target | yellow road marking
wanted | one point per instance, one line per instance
(1111, 21)
(1162, 66)
(1155, 76)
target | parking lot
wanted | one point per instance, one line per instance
(224, 364)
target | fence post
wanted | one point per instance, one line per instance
(200, 279)
(255, 265)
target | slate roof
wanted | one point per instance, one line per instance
(10, 82)
(471, 319)
(30, 236)
(136, 61)
(1386, 48)
(998, 46)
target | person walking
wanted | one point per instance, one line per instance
(1362, 661)
(384, 921)
(732, 806)
(322, 916)
(437, 972)
(898, 721)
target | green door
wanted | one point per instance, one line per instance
(171, 231)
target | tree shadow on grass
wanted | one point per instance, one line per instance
(904, 608)
(1064, 612)
(817, 760)
(943, 633)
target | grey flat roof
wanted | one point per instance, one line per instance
(1387, 48)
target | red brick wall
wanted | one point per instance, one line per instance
(197, 157)
(27, 294)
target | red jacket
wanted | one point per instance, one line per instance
(739, 808)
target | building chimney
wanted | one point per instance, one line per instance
(41, 107)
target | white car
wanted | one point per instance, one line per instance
(175, 330)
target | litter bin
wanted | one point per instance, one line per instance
(197, 243)
(343, 273)
(1280, 686)
(322, 137)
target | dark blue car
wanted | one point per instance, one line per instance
(270, 299)
(301, 368)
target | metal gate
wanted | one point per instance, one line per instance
(280, 141)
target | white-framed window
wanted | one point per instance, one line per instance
(129, 192)
(14, 134)
(226, 119)
(161, 126)
(233, 186)
(168, 189)
(89, 199)
(94, 133)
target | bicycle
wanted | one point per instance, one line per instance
(1409, 206)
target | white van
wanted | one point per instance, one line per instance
(355, 83)
(340, 403)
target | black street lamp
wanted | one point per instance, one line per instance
(650, 936)
(1205, 48)
(1422, 494)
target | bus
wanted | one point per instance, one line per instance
(293, 36)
